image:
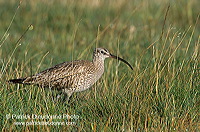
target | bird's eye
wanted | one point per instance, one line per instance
(103, 52)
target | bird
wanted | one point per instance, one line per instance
(73, 76)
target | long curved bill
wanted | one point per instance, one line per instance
(118, 58)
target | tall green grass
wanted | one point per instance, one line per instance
(161, 93)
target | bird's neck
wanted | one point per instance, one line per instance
(98, 63)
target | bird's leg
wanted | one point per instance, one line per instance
(67, 96)
(56, 98)
(60, 97)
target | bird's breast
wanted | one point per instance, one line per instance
(89, 79)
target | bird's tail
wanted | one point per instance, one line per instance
(19, 80)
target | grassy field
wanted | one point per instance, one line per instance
(159, 38)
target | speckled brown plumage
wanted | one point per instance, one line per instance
(74, 76)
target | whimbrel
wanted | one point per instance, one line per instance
(74, 76)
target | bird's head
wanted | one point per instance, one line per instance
(102, 54)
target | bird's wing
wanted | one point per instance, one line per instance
(58, 72)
